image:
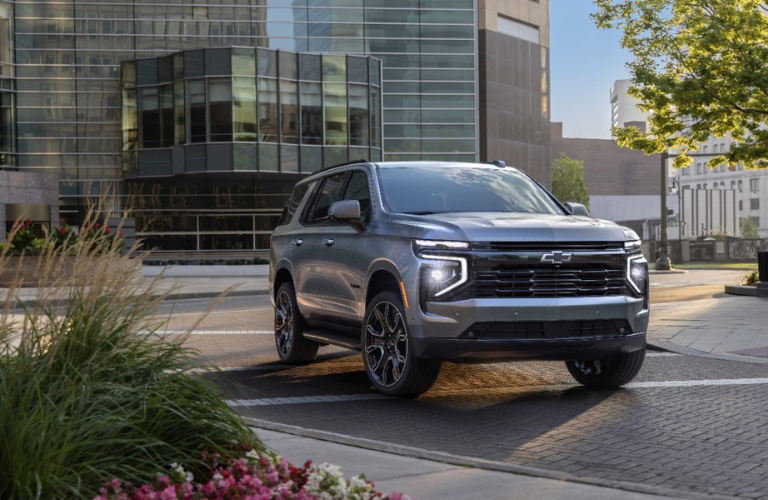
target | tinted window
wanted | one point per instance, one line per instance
(293, 204)
(461, 188)
(357, 189)
(329, 192)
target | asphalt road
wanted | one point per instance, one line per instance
(691, 424)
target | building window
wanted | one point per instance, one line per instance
(150, 118)
(754, 204)
(519, 30)
(220, 106)
(195, 108)
(754, 185)
(686, 171)
(741, 186)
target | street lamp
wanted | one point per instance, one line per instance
(663, 263)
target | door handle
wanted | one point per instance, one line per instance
(328, 241)
(298, 242)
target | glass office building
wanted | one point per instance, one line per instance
(203, 113)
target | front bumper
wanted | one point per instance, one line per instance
(487, 330)
(487, 351)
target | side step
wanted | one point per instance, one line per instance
(337, 339)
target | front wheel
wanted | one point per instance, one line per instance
(291, 345)
(609, 372)
(387, 351)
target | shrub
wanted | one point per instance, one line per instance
(750, 277)
(85, 395)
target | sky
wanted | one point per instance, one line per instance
(584, 63)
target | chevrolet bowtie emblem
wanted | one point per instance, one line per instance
(556, 257)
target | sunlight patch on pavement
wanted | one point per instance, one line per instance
(560, 387)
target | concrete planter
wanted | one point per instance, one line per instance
(32, 269)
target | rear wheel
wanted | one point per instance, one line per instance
(387, 350)
(609, 372)
(291, 345)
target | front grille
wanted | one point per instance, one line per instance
(541, 330)
(593, 281)
(517, 246)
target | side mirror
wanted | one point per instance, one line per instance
(577, 208)
(348, 212)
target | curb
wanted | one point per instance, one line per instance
(170, 297)
(477, 463)
(688, 351)
(760, 290)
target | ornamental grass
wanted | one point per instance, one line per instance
(86, 394)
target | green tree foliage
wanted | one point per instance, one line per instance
(568, 180)
(700, 68)
(748, 228)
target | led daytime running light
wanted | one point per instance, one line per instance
(435, 244)
(631, 278)
(462, 262)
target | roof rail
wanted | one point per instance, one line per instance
(498, 163)
(353, 162)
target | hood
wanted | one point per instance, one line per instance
(515, 227)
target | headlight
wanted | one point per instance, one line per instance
(446, 271)
(440, 245)
(444, 275)
(637, 274)
(633, 246)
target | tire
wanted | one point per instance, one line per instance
(607, 372)
(387, 351)
(291, 345)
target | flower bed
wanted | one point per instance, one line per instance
(255, 476)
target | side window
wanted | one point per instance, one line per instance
(329, 191)
(293, 203)
(358, 189)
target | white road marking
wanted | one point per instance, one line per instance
(368, 397)
(661, 354)
(305, 399)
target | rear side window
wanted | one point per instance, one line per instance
(293, 203)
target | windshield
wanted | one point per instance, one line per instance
(425, 190)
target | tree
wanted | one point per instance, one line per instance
(747, 228)
(568, 180)
(700, 68)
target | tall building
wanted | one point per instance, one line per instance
(624, 110)
(202, 115)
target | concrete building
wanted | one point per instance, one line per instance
(230, 103)
(751, 186)
(623, 184)
(624, 110)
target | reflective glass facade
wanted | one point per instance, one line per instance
(248, 109)
(67, 105)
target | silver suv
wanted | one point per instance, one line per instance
(415, 263)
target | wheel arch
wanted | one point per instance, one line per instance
(382, 279)
(283, 275)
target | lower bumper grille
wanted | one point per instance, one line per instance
(542, 330)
